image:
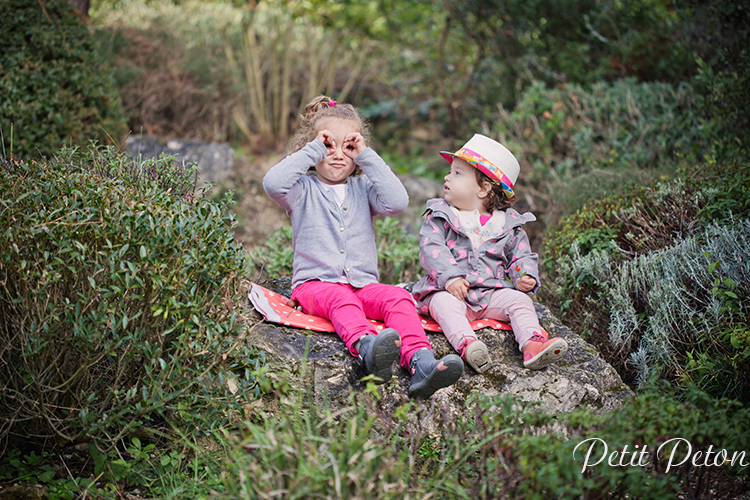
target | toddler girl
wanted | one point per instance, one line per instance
(477, 257)
(335, 260)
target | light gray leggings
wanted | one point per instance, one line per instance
(506, 304)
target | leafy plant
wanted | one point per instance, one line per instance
(398, 252)
(576, 143)
(55, 88)
(622, 272)
(275, 257)
(722, 80)
(673, 316)
(118, 300)
(507, 450)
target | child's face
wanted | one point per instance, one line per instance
(462, 189)
(337, 166)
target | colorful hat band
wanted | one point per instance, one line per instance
(485, 166)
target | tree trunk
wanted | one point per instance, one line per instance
(81, 7)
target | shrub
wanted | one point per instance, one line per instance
(682, 312)
(619, 227)
(721, 41)
(55, 89)
(398, 252)
(118, 299)
(630, 271)
(221, 72)
(575, 144)
(275, 258)
(508, 450)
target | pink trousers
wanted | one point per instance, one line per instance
(506, 304)
(348, 308)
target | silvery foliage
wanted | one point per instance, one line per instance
(675, 283)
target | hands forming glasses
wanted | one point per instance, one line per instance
(353, 144)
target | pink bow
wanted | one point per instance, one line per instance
(331, 103)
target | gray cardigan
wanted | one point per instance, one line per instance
(331, 240)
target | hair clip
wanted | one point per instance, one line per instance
(331, 103)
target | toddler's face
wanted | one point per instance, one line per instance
(461, 187)
(337, 166)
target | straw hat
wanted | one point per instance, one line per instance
(491, 158)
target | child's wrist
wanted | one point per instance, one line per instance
(452, 280)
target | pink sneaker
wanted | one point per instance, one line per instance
(540, 352)
(475, 353)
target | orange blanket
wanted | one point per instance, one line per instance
(274, 309)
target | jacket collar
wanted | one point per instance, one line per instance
(440, 208)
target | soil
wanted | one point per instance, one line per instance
(258, 216)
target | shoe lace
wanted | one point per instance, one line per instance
(538, 338)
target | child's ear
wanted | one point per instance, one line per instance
(484, 190)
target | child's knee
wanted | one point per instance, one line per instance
(446, 301)
(522, 301)
(396, 294)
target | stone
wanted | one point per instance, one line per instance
(420, 189)
(214, 160)
(582, 378)
(23, 492)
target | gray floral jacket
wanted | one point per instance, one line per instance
(446, 250)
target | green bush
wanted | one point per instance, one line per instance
(575, 144)
(509, 449)
(309, 454)
(398, 253)
(722, 81)
(629, 272)
(275, 258)
(620, 226)
(681, 313)
(118, 298)
(55, 89)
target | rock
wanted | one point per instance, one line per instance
(420, 190)
(214, 160)
(23, 492)
(581, 379)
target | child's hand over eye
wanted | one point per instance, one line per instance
(525, 283)
(459, 288)
(354, 144)
(326, 137)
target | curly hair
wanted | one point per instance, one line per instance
(320, 109)
(496, 198)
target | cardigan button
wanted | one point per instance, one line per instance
(341, 251)
(341, 229)
(345, 208)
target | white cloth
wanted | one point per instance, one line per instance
(475, 231)
(339, 192)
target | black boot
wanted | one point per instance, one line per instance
(378, 352)
(428, 375)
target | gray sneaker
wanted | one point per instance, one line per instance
(428, 375)
(378, 352)
(476, 354)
